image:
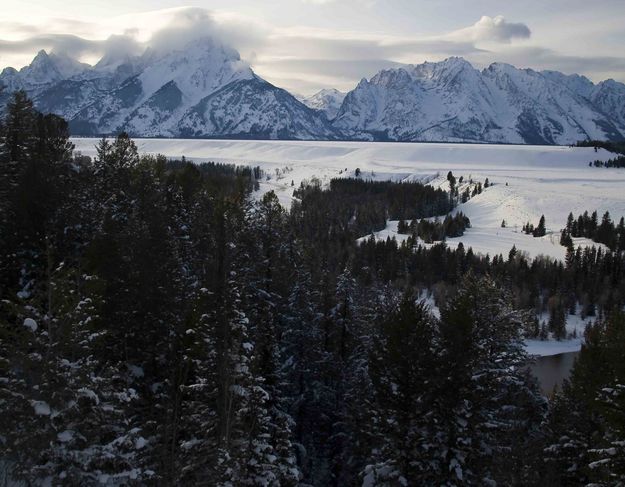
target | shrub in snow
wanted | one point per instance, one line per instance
(31, 324)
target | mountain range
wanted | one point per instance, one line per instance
(206, 90)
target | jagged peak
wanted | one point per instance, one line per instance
(112, 61)
(452, 61)
(499, 67)
(611, 83)
(392, 76)
(450, 66)
(41, 54)
(328, 91)
(576, 76)
(195, 48)
(9, 71)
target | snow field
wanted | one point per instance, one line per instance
(549, 180)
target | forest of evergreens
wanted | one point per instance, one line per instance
(588, 226)
(161, 325)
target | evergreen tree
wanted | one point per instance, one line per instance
(540, 230)
(584, 442)
(557, 318)
(401, 364)
(488, 403)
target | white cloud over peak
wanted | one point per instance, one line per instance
(492, 29)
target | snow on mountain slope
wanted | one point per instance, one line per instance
(48, 68)
(453, 101)
(609, 96)
(159, 94)
(574, 82)
(328, 101)
(154, 116)
(203, 90)
(44, 70)
(151, 102)
(546, 111)
(107, 113)
(68, 97)
(432, 101)
(254, 108)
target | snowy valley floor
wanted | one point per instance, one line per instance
(529, 181)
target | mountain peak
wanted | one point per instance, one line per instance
(201, 67)
(454, 61)
(40, 56)
(205, 88)
(447, 68)
(326, 100)
(8, 71)
(450, 100)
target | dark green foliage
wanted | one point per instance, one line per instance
(437, 230)
(557, 317)
(586, 423)
(357, 207)
(618, 162)
(452, 392)
(612, 146)
(606, 232)
(538, 231)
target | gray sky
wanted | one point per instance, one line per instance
(304, 45)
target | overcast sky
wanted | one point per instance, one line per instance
(303, 45)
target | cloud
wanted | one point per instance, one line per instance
(71, 45)
(541, 58)
(172, 29)
(118, 46)
(307, 75)
(185, 25)
(492, 29)
(298, 57)
(349, 48)
(74, 46)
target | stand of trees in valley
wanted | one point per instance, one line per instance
(435, 231)
(604, 232)
(354, 207)
(159, 326)
(617, 147)
(618, 162)
(538, 231)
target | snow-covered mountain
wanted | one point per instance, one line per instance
(453, 101)
(201, 90)
(254, 108)
(328, 101)
(206, 90)
(45, 70)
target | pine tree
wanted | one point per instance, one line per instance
(570, 223)
(19, 128)
(557, 318)
(401, 365)
(488, 402)
(584, 428)
(17, 140)
(540, 230)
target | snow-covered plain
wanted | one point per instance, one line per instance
(529, 181)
